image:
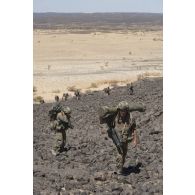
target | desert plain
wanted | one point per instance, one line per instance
(66, 59)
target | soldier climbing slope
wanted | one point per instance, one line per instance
(121, 127)
(107, 90)
(131, 89)
(77, 94)
(57, 98)
(42, 101)
(59, 123)
(65, 96)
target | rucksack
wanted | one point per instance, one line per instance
(57, 108)
(107, 113)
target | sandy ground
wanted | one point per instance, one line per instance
(63, 60)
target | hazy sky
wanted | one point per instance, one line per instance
(155, 6)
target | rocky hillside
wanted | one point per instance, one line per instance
(89, 166)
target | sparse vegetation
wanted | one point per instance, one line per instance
(148, 74)
(56, 91)
(140, 77)
(93, 85)
(88, 91)
(114, 84)
(38, 98)
(106, 63)
(102, 68)
(157, 39)
(49, 67)
(71, 88)
(34, 89)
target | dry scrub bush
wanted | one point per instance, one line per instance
(148, 74)
(71, 88)
(106, 63)
(93, 85)
(56, 91)
(155, 74)
(157, 39)
(34, 89)
(38, 98)
(114, 84)
(88, 91)
(140, 77)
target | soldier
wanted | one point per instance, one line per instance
(131, 89)
(77, 94)
(59, 123)
(121, 128)
(65, 96)
(42, 101)
(57, 98)
(107, 90)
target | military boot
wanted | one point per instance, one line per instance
(119, 166)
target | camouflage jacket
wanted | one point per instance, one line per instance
(77, 93)
(124, 127)
(61, 123)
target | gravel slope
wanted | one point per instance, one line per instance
(88, 167)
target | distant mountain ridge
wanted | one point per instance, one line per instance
(94, 20)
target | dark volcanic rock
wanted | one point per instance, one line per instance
(88, 167)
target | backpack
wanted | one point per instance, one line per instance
(54, 111)
(107, 114)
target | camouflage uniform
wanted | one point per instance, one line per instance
(131, 89)
(65, 96)
(125, 128)
(57, 98)
(77, 94)
(107, 90)
(60, 126)
(42, 101)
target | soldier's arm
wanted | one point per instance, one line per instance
(62, 118)
(135, 138)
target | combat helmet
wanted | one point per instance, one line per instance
(67, 110)
(123, 105)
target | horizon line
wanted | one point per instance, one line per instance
(96, 12)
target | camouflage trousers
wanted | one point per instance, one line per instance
(122, 150)
(121, 157)
(59, 141)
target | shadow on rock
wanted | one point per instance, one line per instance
(132, 169)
